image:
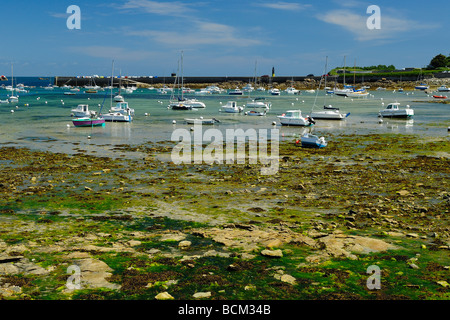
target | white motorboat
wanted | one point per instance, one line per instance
(292, 90)
(259, 103)
(232, 107)
(329, 113)
(393, 110)
(256, 113)
(275, 92)
(236, 92)
(309, 140)
(122, 107)
(443, 89)
(295, 118)
(82, 110)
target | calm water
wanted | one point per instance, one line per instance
(45, 124)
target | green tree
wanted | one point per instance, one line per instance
(439, 61)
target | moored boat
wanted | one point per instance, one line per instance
(329, 113)
(295, 118)
(232, 107)
(89, 122)
(309, 140)
(393, 110)
(201, 121)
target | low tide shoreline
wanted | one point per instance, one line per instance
(148, 229)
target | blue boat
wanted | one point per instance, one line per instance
(309, 140)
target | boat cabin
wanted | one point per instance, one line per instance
(393, 106)
(293, 114)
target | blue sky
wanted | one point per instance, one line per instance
(224, 38)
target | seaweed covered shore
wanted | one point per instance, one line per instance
(86, 227)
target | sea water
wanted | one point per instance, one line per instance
(42, 118)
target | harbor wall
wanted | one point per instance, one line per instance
(169, 80)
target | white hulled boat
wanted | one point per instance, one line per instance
(393, 110)
(295, 118)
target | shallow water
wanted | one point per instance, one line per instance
(42, 118)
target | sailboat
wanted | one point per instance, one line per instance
(121, 113)
(421, 86)
(342, 92)
(259, 105)
(181, 103)
(13, 98)
(328, 112)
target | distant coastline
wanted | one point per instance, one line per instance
(299, 82)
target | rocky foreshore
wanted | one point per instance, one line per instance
(85, 227)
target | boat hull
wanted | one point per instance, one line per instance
(86, 122)
(311, 141)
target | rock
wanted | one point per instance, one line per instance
(133, 243)
(94, 273)
(413, 266)
(164, 296)
(403, 193)
(201, 295)
(273, 243)
(272, 253)
(288, 279)
(184, 244)
(412, 235)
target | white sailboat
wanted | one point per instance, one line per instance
(120, 113)
(328, 112)
(182, 103)
(12, 98)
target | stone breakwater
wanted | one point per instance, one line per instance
(278, 82)
(141, 228)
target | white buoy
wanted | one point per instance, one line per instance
(174, 122)
(380, 121)
(46, 102)
(12, 111)
(146, 114)
(17, 107)
(192, 129)
(68, 125)
(274, 123)
(88, 137)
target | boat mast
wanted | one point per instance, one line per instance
(182, 80)
(112, 81)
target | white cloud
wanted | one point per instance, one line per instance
(281, 5)
(391, 26)
(171, 8)
(199, 33)
(110, 52)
